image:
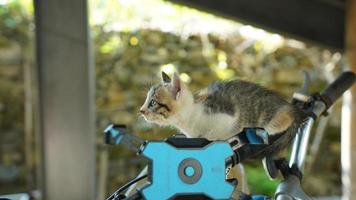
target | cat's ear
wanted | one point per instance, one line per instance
(165, 78)
(177, 86)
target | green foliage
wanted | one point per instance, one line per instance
(15, 49)
(15, 22)
(11, 108)
(15, 36)
(258, 181)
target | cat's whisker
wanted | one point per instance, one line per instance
(139, 114)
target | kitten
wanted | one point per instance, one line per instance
(220, 111)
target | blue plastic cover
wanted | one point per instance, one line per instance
(165, 180)
(256, 136)
(259, 197)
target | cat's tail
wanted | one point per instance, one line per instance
(281, 141)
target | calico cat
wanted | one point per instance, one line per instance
(221, 110)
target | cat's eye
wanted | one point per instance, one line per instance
(152, 103)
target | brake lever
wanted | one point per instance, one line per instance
(117, 134)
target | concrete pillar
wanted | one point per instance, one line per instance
(348, 138)
(66, 99)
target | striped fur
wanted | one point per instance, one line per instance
(219, 111)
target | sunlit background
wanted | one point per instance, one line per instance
(133, 41)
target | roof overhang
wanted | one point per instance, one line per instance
(318, 21)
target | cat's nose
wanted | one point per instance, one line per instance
(142, 111)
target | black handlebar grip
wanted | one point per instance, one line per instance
(338, 87)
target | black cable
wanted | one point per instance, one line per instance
(124, 187)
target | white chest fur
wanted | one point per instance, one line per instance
(195, 122)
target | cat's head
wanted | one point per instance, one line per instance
(165, 100)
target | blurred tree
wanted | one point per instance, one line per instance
(15, 49)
